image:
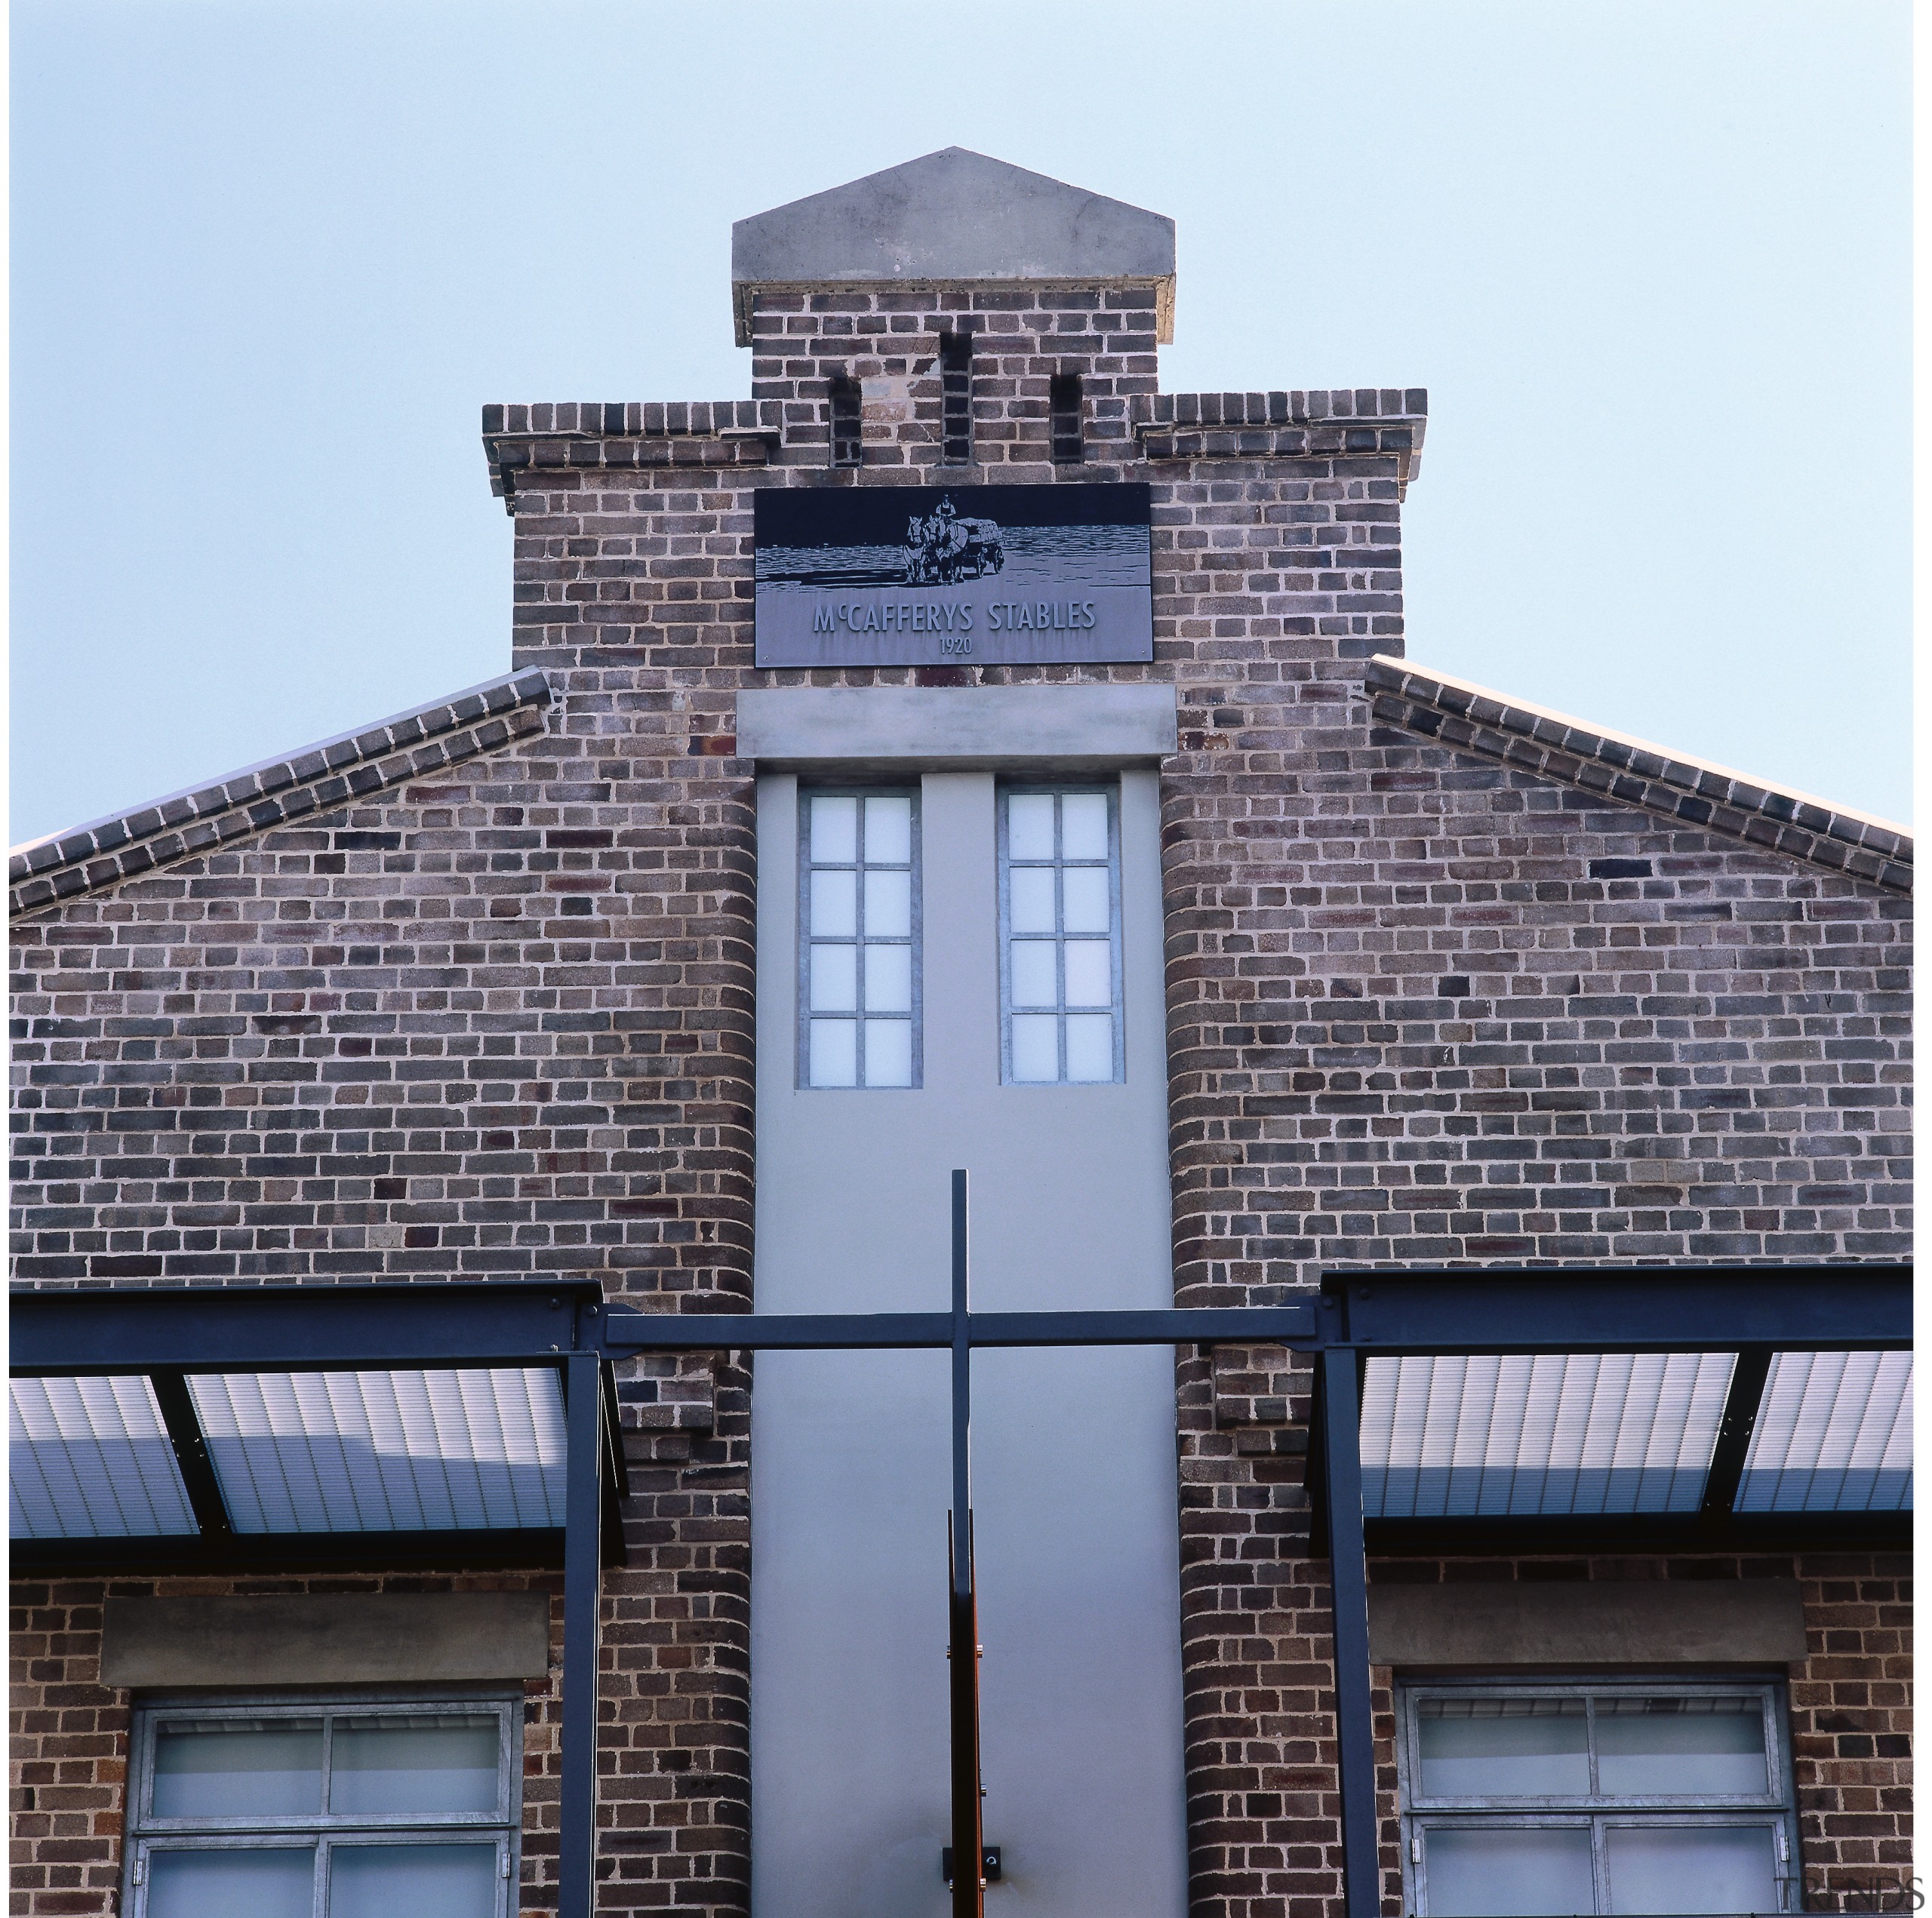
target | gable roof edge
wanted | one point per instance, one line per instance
(355, 765)
(1628, 771)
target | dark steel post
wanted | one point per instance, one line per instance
(583, 1508)
(968, 1839)
(1348, 1572)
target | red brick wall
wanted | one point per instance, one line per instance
(500, 1021)
(70, 1732)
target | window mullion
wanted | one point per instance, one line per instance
(859, 1074)
(1059, 933)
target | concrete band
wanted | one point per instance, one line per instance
(406, 1638)
(1754, 1622)
(956, 728)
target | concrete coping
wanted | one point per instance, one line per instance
(1045, 728)
(953, 217)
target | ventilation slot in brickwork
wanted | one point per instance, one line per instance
(956, 376)
(843, 416)
(1063, 402)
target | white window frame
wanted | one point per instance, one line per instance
(916, 940)
(1110, 790)
(322, 1831)
(1596, 1811)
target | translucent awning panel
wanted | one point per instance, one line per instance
(1548, 1435)
(385, 1451)
(90, 1458)
(1834, 1434)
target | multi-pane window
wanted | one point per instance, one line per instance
(293, 1810)
(1596, 1796)
(859, 944)
(1060, 936)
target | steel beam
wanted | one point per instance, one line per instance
(969, 1897)
(1639, 1309)
(1565, 1534)
(478, 1548)
(191, 1455)
(1742, 1400)
(583, 1511)
(319, 1328)
(625, 1331)
(1347, 1584)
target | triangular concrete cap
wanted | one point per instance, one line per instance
(951, 216)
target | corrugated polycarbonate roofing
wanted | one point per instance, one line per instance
(1834, 1434)
(1548, 1435)
(90, 1458)
(385, 1451)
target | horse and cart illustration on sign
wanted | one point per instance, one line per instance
(947, 546)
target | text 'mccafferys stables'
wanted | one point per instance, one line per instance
(1431, 1296)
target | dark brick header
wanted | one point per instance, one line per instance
(1471, 719)
(518, 439)
(1369, 421)
(353, 766)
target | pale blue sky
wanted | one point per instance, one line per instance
(271, 256)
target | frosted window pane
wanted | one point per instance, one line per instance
(231, 1884)
(888, 905)
(1690, 1745)
(834, 1052)
(1033, 973)
(1030, 899)
(1538, 1873)
(425, 1881)
(888, 978)
(1029, 826)
(1089, 972)
(1503, 1748)
(385, 1451)
(1083, 825)
(888, 832)
(1035, 1047)
(222, 1769)
(1084, 903)
(835, 904)
(1090, 1047)
(1680, 1869)
(90, 1458)
(834, 979)
(834, 831)
(888, 1052)
(445, 1763)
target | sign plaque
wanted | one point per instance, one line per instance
(972, 575)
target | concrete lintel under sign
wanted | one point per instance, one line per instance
(956, 728)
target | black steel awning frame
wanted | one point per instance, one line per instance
(165, 1334)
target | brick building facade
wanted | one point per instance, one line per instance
(1450, 983)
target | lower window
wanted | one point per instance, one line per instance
(1555, 1800)
(295, 1809)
